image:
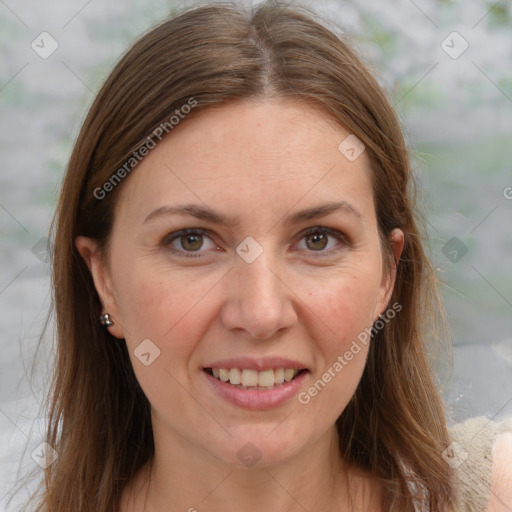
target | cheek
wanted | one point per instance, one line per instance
(172, 312)
(345, 304)
(166, 307)
(341, 312)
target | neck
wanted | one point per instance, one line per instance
(181, 478)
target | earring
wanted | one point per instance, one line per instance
(106, 320)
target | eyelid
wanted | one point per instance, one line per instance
(185, 231)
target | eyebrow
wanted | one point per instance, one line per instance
(207, 214)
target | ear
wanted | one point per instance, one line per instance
(88, 249)
(396, 240)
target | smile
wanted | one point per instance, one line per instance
(254, 379)
(253, 389)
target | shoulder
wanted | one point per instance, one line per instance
(481, 454)
(501, 478)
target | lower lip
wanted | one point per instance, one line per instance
(257, 399)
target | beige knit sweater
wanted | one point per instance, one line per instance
(471, 455)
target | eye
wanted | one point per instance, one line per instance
(191, 241)
(317, 239)
(186, 242)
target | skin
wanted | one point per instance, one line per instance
(260, 161)
(501, 478)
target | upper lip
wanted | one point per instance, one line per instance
(259, 363)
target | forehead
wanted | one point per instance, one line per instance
(255, 156)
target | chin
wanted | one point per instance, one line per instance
(260, 448)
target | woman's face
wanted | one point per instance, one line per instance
(283, 270)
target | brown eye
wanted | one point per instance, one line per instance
(320, 240)
(316, 241)
(191, 242)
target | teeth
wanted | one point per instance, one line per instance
(266, 378)
(289, 374)
(235, 376)
(253, 378)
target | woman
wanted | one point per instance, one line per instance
(240, 289)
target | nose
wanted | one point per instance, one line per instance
(259, 301)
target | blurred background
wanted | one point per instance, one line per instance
(447, 67)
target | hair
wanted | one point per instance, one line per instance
(99, 418)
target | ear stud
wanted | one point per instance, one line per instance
(106, 320)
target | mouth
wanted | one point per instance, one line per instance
(249, 379)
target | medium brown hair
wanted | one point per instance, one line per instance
(99, 418)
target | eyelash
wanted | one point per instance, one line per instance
(198, 231)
